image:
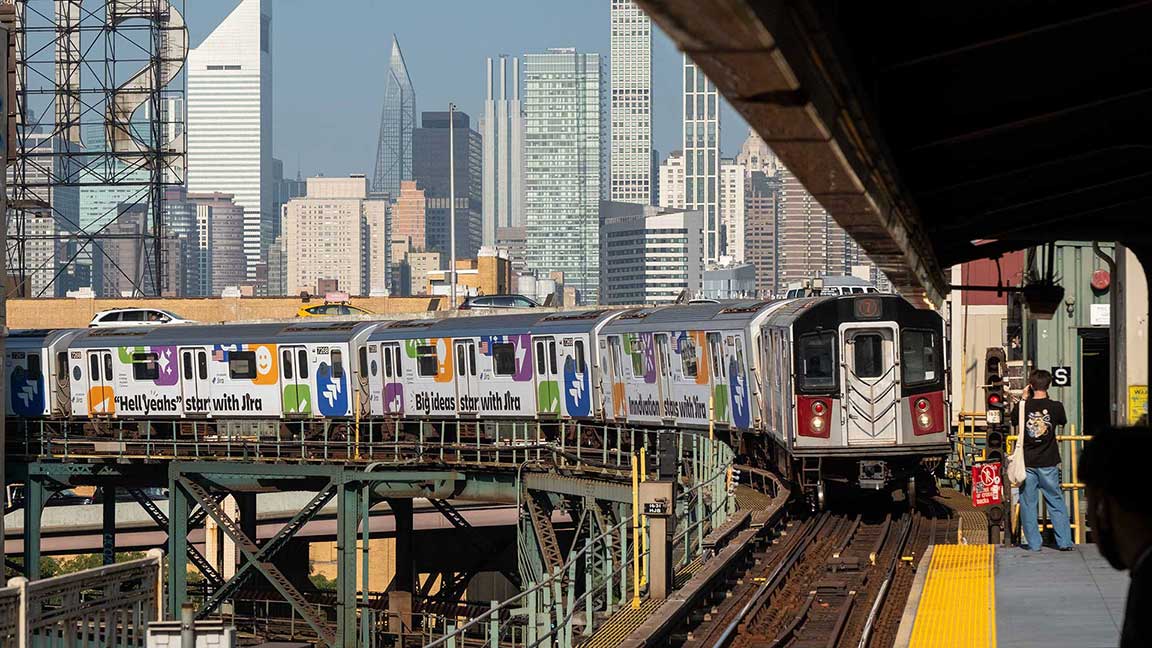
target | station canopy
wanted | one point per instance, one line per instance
(941, 132)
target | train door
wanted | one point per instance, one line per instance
(547, 377)
(393, 378)
(663, 371)
(194, 384)
(870, 379)
(295, 386)
(467, 387)
(101, 397)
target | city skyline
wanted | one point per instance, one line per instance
(327, 136)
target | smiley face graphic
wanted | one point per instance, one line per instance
(265, 364)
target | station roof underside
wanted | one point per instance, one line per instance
(940, 132)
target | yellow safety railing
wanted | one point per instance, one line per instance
(1070, 447)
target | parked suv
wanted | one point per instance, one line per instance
(498, 301)
(135, 317)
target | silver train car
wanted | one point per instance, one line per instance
(847, 389)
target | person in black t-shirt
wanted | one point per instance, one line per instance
(1042, 416)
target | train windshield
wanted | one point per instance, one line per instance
(817, 361)
(918, 356)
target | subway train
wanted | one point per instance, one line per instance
(844, 389)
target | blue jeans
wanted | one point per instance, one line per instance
(1048, 481)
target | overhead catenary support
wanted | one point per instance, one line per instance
(404, 584)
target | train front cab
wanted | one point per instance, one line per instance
(871, 408)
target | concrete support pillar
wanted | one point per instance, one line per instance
(34, 497)
(658, 502)
(400, 598)
(108, 527)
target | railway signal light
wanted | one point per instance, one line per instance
(995, 401)
(996, 404)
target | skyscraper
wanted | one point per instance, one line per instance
(335, 233)
(702, 155)
(762, 198)
(230, 120)
(397, 121)
(809, 243)
(631, 76)
(732, 181)
(503, 141)
(220, 221)
(430, 170)
(563, 149)
(671, 175)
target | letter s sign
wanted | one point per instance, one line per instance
(1061, 376)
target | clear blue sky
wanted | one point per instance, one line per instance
(328, 56)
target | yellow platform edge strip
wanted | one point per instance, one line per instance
(958, 604)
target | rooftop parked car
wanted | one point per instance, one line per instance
(498, 301)
(135, 317)
(331, 309)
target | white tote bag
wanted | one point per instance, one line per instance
(1017, 471)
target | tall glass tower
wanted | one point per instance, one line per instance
(397, 121)
(631, 68)
(702, 156)
(563, 149)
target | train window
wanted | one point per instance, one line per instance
(145, 367)
(472, 358)
(580, 366)
(818, 361)
(426, 362)
(387, 362)
(739, 359)
(398, 366)
(61, 365)
(504, 358)
(661, 340)
(302, 364)
(94, 366)
(552, 356)
(918, 357)
(287, 362)
(202, 364)
(34, 371)
(688, 356)
(541, 362)
(242, 365)
(617, 356)
(107, 367)
(868, 355)
(337, 364)
(363, 358)
(717, 353)
(460, 368)
(186, 359)
(637, 353)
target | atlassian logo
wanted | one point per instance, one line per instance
(577, 389)
(333, 396)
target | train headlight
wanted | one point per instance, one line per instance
(817, 424)
(925, 419)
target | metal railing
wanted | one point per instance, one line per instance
(570, 601)
(970, 449)
(104, 606)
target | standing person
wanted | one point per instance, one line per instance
(1114, 469)
(1042, 416)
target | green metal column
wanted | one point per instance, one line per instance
(34, 497)
(179, 506)
(347, 521)
(108, 528)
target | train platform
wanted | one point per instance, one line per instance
(984, 595)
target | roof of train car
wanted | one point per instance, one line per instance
(27, 338)
(211, 334)
(463, 326)
(575, 321)
(794, 309)
(727, 314)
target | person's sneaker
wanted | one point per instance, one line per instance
(1066, 549)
